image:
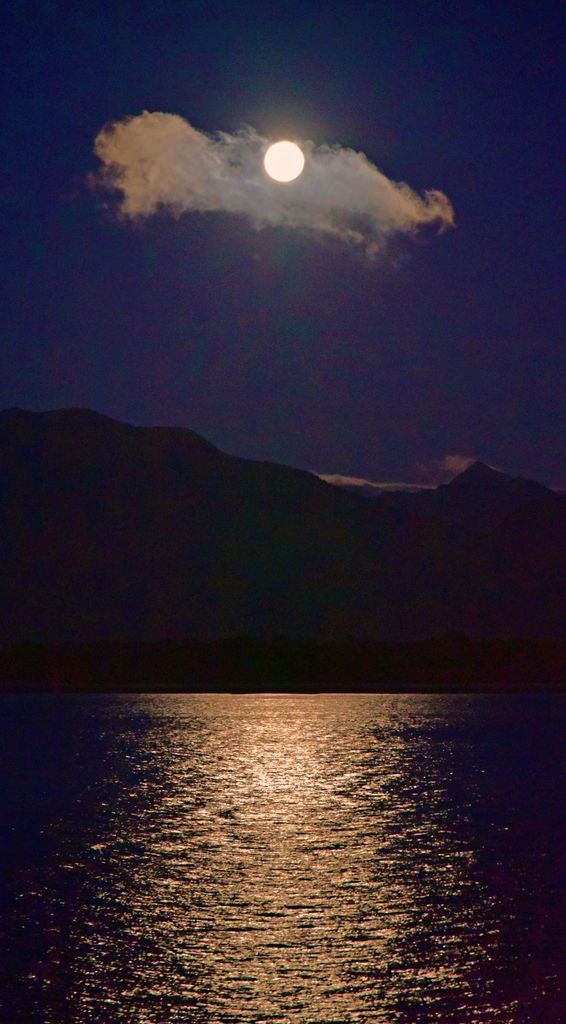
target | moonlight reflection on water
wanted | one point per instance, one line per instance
(286, 859)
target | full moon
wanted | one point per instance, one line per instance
(284, 161)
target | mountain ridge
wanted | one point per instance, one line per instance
(477, 499)
(115, 532)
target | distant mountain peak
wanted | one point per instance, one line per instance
(478, 472)
(481, 476)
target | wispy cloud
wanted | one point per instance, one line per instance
(159, 161)
(355, 481)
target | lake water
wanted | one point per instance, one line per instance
(290, 859)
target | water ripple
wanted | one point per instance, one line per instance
(296, 860)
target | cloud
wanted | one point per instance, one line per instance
(444, 469)
(355, 481)
(438, 471)
(453, 465)
(157, 161)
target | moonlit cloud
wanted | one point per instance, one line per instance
(444, 469)
(456, 464)
(356, 481)
(157, 161)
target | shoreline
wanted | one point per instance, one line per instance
(449, 664)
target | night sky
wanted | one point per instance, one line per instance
(277, 344)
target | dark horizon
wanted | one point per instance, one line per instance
(114, 532)
(444, 475)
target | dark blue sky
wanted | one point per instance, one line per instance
(272, 344)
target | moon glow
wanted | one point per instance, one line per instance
(284, 161)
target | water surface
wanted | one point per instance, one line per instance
(290, 859)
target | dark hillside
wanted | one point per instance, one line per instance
(115, 532)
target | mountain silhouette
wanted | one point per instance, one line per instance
(111, 531)
(478, 499)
